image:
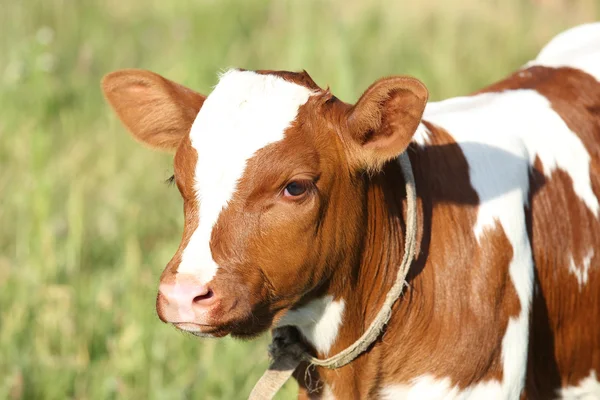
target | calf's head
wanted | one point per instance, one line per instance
(269, 167)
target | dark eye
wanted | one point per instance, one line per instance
(295, 189)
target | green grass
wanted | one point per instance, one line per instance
(86, 224)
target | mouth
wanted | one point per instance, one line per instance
(201, 330)
(240, 324)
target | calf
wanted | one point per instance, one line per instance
(295, 216)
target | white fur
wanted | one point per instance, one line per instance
(245, 112)
(587, 389)
(422, 135)
(429, 388)
(501, 134)
(581, 273)
(327, 393)
(578, 47)
(319, 321)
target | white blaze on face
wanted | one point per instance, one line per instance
(245, 112)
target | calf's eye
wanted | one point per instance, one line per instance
(295, 189)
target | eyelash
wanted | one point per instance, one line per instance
(170, 181)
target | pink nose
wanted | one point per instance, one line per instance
(187, 300)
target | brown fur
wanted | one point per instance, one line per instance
(450, 313)
(384, 119)
(564, 340)
(157, 111)
(345, 237)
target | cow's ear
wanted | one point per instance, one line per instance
(383, 121)
(157, 111)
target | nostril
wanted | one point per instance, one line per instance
(206, 296)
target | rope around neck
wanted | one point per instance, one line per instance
(287, 352)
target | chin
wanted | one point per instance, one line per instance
(249, 329)
(204, 331)
(236, 330)
(246, 335)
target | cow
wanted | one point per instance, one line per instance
(295, 210)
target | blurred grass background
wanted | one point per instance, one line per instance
(86, 224)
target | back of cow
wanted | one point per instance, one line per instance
(564, 225)
(542, 121)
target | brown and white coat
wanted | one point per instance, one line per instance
(294, 215)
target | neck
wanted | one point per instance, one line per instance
(359, 285)
(381, 253)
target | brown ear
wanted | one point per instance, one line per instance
(384, 120)
(157, 111)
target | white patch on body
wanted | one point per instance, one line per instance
(578, 47)
(245, 112)
(581, 273)
(421, 136)
(327, 393)
(501, 134)
(587, 389)
(319, 321)
(429, 388)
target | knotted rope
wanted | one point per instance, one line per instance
(285, 350)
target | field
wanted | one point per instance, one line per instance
(86, 222)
